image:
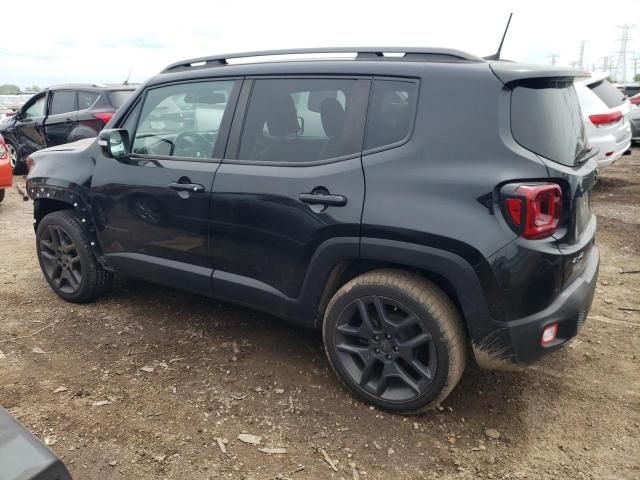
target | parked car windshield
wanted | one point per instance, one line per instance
(609, 94)
(546, 119)
(118, 97)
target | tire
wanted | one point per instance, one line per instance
(19, 167)
(67, 259)
(1, 194)
(410, 353)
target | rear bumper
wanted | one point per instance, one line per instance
(519, 341)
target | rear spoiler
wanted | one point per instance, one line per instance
(508, 72)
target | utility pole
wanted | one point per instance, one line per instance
(581, 56)
(605, 63)
(553, 58)
(621, 66)
(635, 67)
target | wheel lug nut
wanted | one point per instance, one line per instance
(388, 356)
(377, 350)
(388, 336)
(376, 338)
(395, 349)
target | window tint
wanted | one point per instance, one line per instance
(546, 119)
(118, 97)
(182, 120)
(86, 99)
(63, 101)
(36, 109)
(391, 112)
(302, 120)
(609, 94)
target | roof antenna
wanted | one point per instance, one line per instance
(496, 56)
(126, 82)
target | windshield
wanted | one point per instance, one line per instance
(546, 119)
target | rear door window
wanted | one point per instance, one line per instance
(391, 112)
(609, 94)
(63, 101)
(304, 120)
(546, 119)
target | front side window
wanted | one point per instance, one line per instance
(303, 120)
(36, 109)
(182, 120)
(391, 112)
(63, 101)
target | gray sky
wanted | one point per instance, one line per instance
(101, 42)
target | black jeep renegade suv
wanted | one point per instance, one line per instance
(410, 205)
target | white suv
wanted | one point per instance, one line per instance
(605, 115)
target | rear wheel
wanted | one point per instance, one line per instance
(67, 260)
(1, 194)
(395, 340)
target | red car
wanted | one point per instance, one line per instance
(6, 172)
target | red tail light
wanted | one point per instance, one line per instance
(533, 210)
(105, 116)
(635, 100)
(605, 119)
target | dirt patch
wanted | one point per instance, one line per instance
(158, 382)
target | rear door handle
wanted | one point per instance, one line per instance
(323, 199)
(186, 187)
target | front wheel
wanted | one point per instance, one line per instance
(395, 340)
(67, 260)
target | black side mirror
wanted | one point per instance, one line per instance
(114, 143)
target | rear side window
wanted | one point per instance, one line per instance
(304, 120)
(118, 97)
(609, 94)
(63, 101)
(86, 99)
(391, 112)
(546, 119)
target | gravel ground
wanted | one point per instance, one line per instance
(150, 383)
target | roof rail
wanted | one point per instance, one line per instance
(362, 53)
(77, 85)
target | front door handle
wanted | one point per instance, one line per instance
(323, 199)
(186, 187)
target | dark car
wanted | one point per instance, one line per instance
(58, 115)
(409, 205)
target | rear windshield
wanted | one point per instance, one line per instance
(609, 94)
(546, 119)
(118, 97)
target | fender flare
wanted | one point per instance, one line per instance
(76, 197)
(453, 268)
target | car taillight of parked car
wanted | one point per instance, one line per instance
(533, 210)
(605, 119)
(635, 101)
(104, 116)
(29, 163)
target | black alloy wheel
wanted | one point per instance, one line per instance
(386, 349)
(60, 259)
